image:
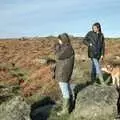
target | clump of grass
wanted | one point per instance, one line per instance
(4, 66)
(19, 73)
(14, 71)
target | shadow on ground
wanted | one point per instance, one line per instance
(41, 109)
(45, 109)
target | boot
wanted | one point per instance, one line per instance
(65, 107)
(93, 77)
(72, 103)
(72, 97)
(100, 77)
(72, 92)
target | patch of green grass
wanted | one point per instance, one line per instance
(81, 72)
(19, 73)
(54, 116)
(34, 98)
(15, 71)
(107, 78)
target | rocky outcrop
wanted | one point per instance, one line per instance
(12, 105)
(15, 109)
(93, 103)
(96, 103)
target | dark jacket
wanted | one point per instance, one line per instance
(65, 62)
(95, 43)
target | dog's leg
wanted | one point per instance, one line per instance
(113, 80)
(118, 81)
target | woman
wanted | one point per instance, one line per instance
(64, 69)
(96, 48)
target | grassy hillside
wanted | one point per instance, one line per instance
(21, 63)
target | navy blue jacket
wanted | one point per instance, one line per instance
(95, 43)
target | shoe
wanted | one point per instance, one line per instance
(100, 77)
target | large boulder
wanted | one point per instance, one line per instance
(15, 109)
(96, 103)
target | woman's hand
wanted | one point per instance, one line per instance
(101, 58)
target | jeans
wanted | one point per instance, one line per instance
(96, 69)
(67, 89)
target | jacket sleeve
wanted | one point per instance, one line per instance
(65, 52)
(103, 46)
(59, 51)
(86, 40)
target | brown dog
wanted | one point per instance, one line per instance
(115, 73)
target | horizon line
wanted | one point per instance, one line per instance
(50, 35)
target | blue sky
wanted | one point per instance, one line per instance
(50, 17)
